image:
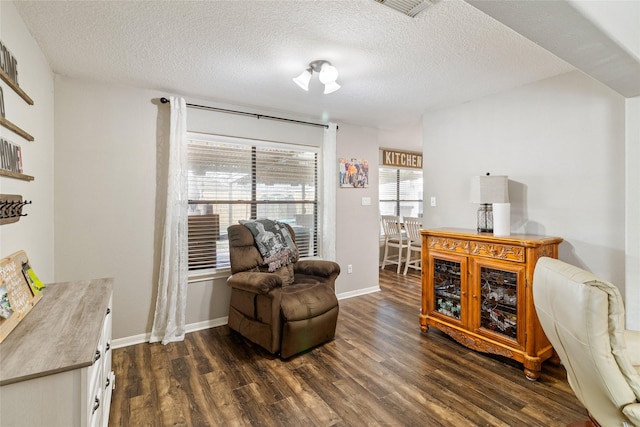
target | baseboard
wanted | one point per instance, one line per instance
(192, 327)
(132, 340)
(364, 291)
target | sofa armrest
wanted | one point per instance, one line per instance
(632, 340)
(255, 282)
(632, 411)
(317, 268)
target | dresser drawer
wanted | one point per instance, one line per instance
(497, 251)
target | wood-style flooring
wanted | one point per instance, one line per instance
(379, 371)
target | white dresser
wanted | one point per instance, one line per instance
(55, 366)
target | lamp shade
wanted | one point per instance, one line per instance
(331, 87)
(303, 79)
(490, 189)
(328, 74)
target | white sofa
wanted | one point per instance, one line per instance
(583, 317)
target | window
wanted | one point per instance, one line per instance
(232, 179)
(400, 192)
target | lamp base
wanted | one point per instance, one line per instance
(485, 218)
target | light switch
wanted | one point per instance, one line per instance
(366, 201)
(433, 201)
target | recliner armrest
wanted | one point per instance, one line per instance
(632, 340)
(256, 282)
(317, 268)
(632, 411)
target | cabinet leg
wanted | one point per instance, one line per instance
(532, 368)
(531, 375)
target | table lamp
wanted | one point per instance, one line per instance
(488, 190)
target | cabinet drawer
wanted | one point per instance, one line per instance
(448, 245)
(497, 251)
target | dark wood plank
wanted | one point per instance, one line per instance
(379, 370)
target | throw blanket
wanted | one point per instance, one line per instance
(273, 241)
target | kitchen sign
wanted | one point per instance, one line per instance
(402, 159)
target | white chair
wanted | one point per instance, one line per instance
(393, 238)
(583, 317)
(412, 226)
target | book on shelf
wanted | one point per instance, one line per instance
(35, 284)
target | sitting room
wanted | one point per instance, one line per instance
(201, 189)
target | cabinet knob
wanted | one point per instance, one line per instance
(96, 405)
(96, 356)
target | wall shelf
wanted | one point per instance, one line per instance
(6, 123)
(16, 175)
(15, 87)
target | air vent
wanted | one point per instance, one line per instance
(408, 7)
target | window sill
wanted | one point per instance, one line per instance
(206, 275)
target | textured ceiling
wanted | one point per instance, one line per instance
(392, 67)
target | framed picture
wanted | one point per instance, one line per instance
(353, 173)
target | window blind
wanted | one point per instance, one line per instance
(232, 181)
(400, 192)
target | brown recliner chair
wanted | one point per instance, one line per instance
(287, 311)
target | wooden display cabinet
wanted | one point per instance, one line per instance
(477, 288)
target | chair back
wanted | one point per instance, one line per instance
(243, 252)
(412, 226)
(392, 227)
(583, 317)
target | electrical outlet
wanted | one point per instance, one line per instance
(349, 268)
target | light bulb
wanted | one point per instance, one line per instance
(328, 73)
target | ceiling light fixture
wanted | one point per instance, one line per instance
(327, 74)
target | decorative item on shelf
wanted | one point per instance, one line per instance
(11, 208)
(9, 72)
(327, 74)
(11, 160)
(17, 297)
(489, 190)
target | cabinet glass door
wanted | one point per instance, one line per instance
(499, 290)
(499, 296)
(447, 284)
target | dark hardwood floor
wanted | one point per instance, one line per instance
(379, 371)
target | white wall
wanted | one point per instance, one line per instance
(618, 18)
(357, 225)
(33, 233)
(105, 187)
(632, 301)
(404, 138)
(561, 141)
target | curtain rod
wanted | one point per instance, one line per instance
(244, 113)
